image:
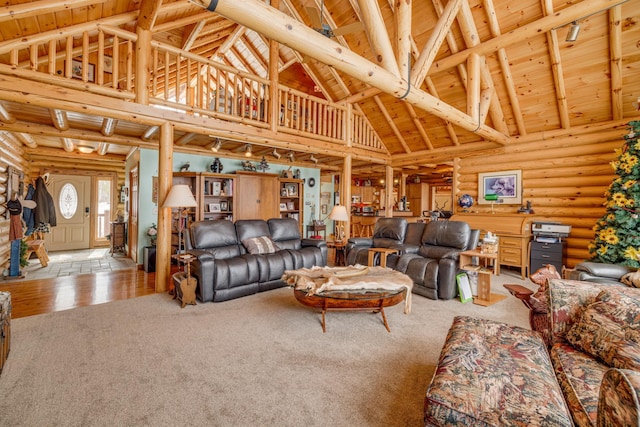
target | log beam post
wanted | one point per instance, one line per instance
(378, 36)
(165, 178)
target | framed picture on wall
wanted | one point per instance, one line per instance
(500, 187)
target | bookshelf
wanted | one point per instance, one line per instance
(292, 200)
(217, 196)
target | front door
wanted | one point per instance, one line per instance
(71, 197)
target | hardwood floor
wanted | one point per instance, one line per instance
(33, 297)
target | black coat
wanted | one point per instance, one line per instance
(45, 211)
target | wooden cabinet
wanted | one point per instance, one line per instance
(257, 196)
(291, 200)
(418, 198)
(513, 231)
(217, 196)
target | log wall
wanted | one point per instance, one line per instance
(11, 154)
(564, 178)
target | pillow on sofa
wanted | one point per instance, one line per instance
(609, 329)
(260, 245)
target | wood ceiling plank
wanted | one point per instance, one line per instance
(38, 8)
(391, 124)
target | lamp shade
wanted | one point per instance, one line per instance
(180, 196)
(339, 213)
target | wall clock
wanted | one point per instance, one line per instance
(312, 182)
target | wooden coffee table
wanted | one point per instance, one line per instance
(356, 300)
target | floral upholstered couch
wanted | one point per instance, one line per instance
(493, 374)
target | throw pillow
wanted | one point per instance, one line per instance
(609, 329)
(260, 245)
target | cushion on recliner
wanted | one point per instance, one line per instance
(454, 234)
(260, 245)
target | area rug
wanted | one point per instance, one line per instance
(70, 263)
(257, 360)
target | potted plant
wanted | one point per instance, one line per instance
(152, 232)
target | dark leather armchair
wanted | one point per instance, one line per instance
(387, 233)
(433, 268)
(599, 272)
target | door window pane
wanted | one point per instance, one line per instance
(104, 208)
(68, 201)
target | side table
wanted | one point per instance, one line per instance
(315, 228)
(340, 258)
(384, 252)
(184, 284)
(485, 297)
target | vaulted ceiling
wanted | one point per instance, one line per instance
(503, 64)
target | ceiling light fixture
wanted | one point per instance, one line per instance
(313, 159)
(275, 154)
(247, 150)
(572, 35)
(291, 157)
(216, 147)
(85, 149)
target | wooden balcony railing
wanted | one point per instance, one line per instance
(103, 60)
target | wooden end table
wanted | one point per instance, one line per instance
(384, 252)
(485, 297)
(339, 246)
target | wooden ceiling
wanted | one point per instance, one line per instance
(506, 60)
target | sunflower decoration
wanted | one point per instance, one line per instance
(617, 233)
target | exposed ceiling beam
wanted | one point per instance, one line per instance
(37, 8)
(431, 48)
(109, 126)
(192, 33)
(418, 125)
(6, 116)
(148, 13)
(505, 68)
(27, 139)
(278, 26)
(378, 37)
(59, 118)
(556, 68)
(521, 34)
(68, 144)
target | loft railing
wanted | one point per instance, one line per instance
(103, 60)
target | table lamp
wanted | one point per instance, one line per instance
(180, 197)
(339, 214)
(491, 198)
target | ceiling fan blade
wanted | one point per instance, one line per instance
(314, 15)
(347, 29)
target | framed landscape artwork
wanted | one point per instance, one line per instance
(506, 185)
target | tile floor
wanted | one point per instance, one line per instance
(68, 263)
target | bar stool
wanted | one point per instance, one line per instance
(356, 229)
(366, 230)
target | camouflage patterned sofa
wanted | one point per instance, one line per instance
(493, 374)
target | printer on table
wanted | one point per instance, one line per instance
(548, 246)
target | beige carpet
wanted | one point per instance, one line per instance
(261, 360)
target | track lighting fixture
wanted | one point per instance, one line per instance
(572, 35)
(275, 154)
(216, 147)
(247, 150)
(291, 157)
(313, 159)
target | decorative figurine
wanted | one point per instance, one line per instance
(216, 166)
(296, 174)
(248, 166)
(263, 165)
(185, 167)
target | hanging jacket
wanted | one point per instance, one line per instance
(45, 211)
(27, 213)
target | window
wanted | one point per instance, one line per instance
(68, 201)
(104, 208)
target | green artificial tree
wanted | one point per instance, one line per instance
(617, 233)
